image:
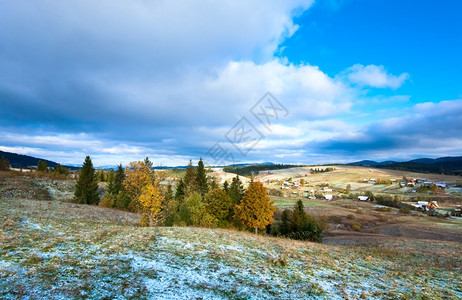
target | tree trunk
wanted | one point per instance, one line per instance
(256, 230)
(151, 221)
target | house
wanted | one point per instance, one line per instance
(363, 198)
(328, 197)
(327, 190)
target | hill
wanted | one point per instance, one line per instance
(442, 165)
(24, 161)
(80, 251)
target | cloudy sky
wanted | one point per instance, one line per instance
(174, 80)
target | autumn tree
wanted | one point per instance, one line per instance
(86, 189)
(220, 205)
(434, 188)
(4, 164)
(256, 209)
(201, 178)
(137, 177)
(150, 201)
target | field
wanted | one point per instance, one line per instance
(51, 248)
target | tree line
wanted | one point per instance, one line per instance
(252, 170)
(196, 199)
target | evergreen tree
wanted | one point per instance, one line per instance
(42, 166)
(190, 180)
(4, 164)
(285, 218)
(180, 191)
(220, 205)
(201, 178)
(256, 209)
(226, 186)
(303, 226)
(116, 181)
(236, 190)
(86, 190)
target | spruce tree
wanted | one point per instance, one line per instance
(42, 166)
(116, 181)
(190, 180)
(201, 179)
(226, 186)
(4, 164)
(180, 191)
(236, 190)
(86, 190)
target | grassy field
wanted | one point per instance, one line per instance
(53, 250)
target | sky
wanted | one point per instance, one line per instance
(292, 81)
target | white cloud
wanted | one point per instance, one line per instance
(373, 76)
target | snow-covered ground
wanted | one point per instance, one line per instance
(55, 250)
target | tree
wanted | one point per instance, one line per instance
(150, 201)
(256, 209)
(303, 226)
(236, 190)
(226, 186)
(434, 188)
(180, 193)
(193, 212)
(60, 170)
(86, 190)
(42, 166)
(220, 205)
(116, 181)
(4, 164)
(137, 177)
(201, 178)
(189, 180)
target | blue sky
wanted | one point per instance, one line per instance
(172, 80)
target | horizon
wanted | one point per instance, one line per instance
(297, 82)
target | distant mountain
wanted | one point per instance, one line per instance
(24, 161)
(443, 165)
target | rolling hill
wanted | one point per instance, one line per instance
(24, 161)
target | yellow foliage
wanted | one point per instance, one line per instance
(137, 176)
(150, 201)
(256, 209)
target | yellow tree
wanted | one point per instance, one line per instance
(256, 209)
(137, 176)
(150, 201)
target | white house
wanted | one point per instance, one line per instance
(363, 198)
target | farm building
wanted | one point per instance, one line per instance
(363, 198)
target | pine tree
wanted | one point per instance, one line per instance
(180, 191)
(226, 186)
(201, 178)
(236, 190)
(256, 209)
(42, 166)
(190, 180)
(116, 181)
(4, 164)
(86, 190)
